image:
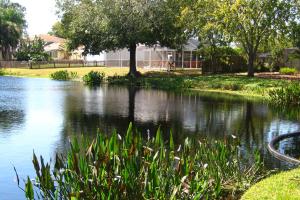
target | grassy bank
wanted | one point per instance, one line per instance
(81, 71)
(231, 84)
(179, 80)
(285, 185)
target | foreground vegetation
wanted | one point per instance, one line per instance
(137, 167)
(285, 185)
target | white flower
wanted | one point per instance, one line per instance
(179, 148)
(120, 137)
(148, 134)
(233, 136)
(205, 165)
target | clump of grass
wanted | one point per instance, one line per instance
(288, 95)
(62, 75)
(2, 73)
(93, 78)
(136, 167)
(288, 71)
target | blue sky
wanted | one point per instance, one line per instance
(40, 15)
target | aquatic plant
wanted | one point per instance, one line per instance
(288, 95)
(93, 78)
(137, 167)
(62, 75)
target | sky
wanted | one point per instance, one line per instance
(40, 15)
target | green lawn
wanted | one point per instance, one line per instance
(81, 71)
(283, 186)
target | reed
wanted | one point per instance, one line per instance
(137, 167)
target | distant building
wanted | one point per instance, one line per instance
(56, 48)
(290, 58)
(156, 56)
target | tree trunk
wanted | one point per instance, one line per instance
(132, 50)
(251, 59)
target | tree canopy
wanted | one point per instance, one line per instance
(106, 25)
(12, 25)
(32, 50)
(58, 30)
(247, 23)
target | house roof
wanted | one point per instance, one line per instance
(51, 39)
(53, 47)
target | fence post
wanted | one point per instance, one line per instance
(54, 64)
(69, 64)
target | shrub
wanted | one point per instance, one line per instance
(131, 167)
(288, 71)
(93, 78)
(2, 73)
(62, 75)
(74, 75)
(286, 96)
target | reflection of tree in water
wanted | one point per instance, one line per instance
(197, 116)
(291, 147)
(11, 118)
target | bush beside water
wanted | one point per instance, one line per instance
(136, 167)
(2, 73)
(63, 75)
(94, 78)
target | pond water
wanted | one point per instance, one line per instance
(42, 115)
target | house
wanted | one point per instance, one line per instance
(55, 47)
(156, 57)
(290, 57)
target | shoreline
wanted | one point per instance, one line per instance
(187, 80)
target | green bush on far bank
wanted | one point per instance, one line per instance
(288, 71)
(93, 78)
(2, 73)
(63, 75)
(137, 167)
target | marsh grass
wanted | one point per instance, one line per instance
(137, 167)
(240, 85)
(286, 96)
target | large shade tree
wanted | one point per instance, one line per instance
(249, 24)
(105, 25)
(12, 25)
(253, 23)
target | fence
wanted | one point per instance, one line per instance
(163, 64)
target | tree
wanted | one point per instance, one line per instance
(32, 50)
(58, 30)
(253, 22)
(106, 25)
(199, 18)
(12, 25)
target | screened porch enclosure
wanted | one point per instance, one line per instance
(157, 57)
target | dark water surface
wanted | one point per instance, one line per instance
(41, 115)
